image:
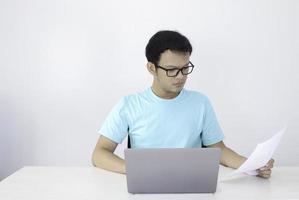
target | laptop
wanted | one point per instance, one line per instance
(172, 170)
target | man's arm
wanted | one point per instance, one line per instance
(104, 157)
(231, 159)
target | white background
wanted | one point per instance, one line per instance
(64, 64)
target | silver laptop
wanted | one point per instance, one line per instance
(172, 170)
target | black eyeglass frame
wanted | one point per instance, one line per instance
(179, 70)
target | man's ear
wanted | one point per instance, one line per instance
(151, 68)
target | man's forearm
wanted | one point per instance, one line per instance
(108, 161)
(230, 158)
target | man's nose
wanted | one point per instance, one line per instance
(180, 75)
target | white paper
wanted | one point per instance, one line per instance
(260, 156)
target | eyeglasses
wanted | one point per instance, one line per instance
(175, 71)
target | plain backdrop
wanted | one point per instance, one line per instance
(65, 63)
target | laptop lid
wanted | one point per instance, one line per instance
(172, 170)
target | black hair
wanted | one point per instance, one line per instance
(166, 40)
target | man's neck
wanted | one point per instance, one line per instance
(163, 94)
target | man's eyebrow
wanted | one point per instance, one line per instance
(173, 66)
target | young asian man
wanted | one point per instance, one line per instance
(165, 114)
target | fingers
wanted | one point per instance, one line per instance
(264, 173)
(265, 176)
(271, 162)
(269, 165)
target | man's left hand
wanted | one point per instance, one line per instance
(265, 172)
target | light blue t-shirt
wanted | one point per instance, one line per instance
(187, 120)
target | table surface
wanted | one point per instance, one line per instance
(94, 183)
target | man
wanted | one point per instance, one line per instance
(165, 115)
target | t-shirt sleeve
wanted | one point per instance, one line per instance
(115, 126)
(211, 132)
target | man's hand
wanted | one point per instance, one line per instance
(265, 172)
(231, 159)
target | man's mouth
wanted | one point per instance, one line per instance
(178, 84)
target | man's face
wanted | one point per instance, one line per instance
(169, 60)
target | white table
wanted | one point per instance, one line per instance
(32, 183)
